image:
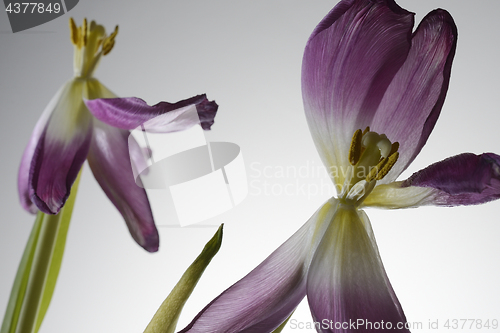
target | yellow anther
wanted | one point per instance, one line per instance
(114, 33)
(73, 31)
(394, 148)
(367, 129)
(109, 42)
(355, 149)
(107, 47)
(391, 160)
(373, 174)
(84, 32)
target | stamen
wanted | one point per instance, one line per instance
(375, 171)
(114, 33)
(84, 32)
(391, 160)
(107, 47)
(394, 148)
(371, 157)
(80, 37)
(355, 149)
(73, 31)
(109, 42)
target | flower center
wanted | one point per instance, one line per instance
(91, 42)
(371, 156)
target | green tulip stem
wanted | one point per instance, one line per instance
(38, 270)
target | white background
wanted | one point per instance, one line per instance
(246, 55)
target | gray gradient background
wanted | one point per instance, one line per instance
(246, 55)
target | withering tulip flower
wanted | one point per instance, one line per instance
(372, 91)
(67, 133)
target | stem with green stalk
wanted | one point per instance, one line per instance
(38, 270)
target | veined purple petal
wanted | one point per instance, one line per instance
(349, 61)
(24, 167)
(61, 150)
(465, 179)
(111, 165)
(265, 298)
(347, 287)
(130, 113)
(413, 101)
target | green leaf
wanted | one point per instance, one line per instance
(21, 281)
(38, 270)
(165, 319)
(56, 256)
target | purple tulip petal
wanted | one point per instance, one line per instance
(413, 101)
(265, 298)
(24, 167)
(61, 150)
(347, 282)
(465, 179)
(131, 113)
(111, 165)
(349, 61)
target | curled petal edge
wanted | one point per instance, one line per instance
(131, 113)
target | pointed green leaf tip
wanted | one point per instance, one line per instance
(165, 319)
